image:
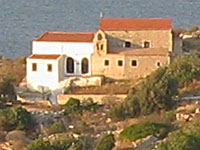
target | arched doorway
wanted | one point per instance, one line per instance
(84, 66)
(70, 65)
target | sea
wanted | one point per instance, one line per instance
(21, 21)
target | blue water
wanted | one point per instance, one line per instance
(23, 20)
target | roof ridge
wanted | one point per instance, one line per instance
(70, 32)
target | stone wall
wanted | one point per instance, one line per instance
(100, 98)
(112, 70)
(157, 39)
(145, 65)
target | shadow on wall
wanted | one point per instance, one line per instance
(116, 44)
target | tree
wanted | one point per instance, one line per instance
(15, 118)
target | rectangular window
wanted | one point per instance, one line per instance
(120, 63)
(134, 63)
(158, 64)
(49, 67)
(34, 67)
(146, 44)
(106, 62)
(127, 44)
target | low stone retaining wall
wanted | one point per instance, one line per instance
(100, 98)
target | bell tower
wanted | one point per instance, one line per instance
(100, 43)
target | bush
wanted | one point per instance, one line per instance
(152, 94)
(178, 140)
(170, 116)
(90, 105)
(156, 91)
(63, 142)
(142, 130)
(72, 106)
(40, 144)
(7, 90)
(57, 127)
(82, 127)
(15, 118)
(185, 68)
(107, 142)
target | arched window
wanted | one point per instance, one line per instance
(84, 66)
(99, 37)
(70, 65)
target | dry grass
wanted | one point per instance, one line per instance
(191, 89)
(110, 88)
(13, 68)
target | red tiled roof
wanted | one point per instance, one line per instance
(144, 52)
(41, 56)
(67, 37)
(135, 23)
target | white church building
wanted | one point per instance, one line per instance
(56, 55)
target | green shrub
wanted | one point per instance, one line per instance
(142, 130)
(152, 94)
(185, 68)
(63, 142)
(82, 143)
(90, 105)
(107, 142)
(57, 127)
(117, 112)
(15, 118)
(7, 90)
(72, 106)
(178, 140)
(40, 144)
(170, 116)
(82, 127)
(157, 90)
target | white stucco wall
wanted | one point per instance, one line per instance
(42, 77)
(75, 48)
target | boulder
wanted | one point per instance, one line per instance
(15, 135)
(147, 143)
